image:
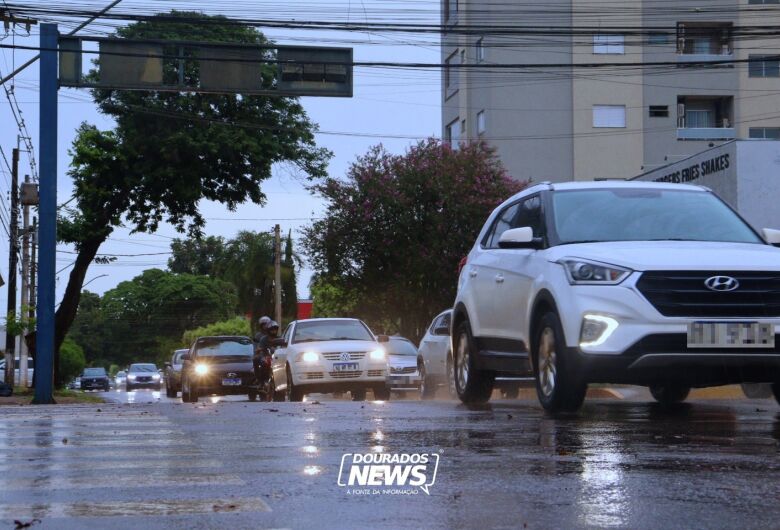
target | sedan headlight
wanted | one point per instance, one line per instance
(310, 357)
(377, 355)
(584, 272)
(131, 377)
(201, 369)
(156, 376)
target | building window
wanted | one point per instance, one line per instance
(452, 133)
(481, 125)
(764, 66)
(608, 44)
(704, 38)
(450, 74)
(609, 116)
(657, 39)
(659, 111)
(765, 133)
(763, 2)
(480, 50)
(451, 8)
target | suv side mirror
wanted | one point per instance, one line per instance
(167, 365)
(522, 237)
(186, 357)
(441, 330)
(382, 338)
(772, 236)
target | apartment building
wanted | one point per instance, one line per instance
(572, 114)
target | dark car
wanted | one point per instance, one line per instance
(94, 379)
(173, 373)
(218, 366)
(142, 375)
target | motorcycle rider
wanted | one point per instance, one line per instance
(265, 347)
(262, 330)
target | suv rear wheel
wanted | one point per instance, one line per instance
(557, 384)
(471, 385)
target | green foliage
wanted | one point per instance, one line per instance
(89, 329)
(15, 324)
(113, 369)
(72, 360)
(144, 318)
(234, 326)
(396, 228)
(197, 255)
(332, 298)
(289, 282)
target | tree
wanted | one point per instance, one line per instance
(170, 150)
(289, 283)
(234, 326)
(89, 329)
(196, 255)
(396, 228)
(73, 361)
(145, 317)
(331, 298)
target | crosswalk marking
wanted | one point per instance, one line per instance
(152, 507)
(66, 450)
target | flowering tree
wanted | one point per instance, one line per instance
(397, 226)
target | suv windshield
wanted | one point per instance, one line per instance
(143, 368)
(642, 214)
(94, 372)
(315, 331)
(236, 347)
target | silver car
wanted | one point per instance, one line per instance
(433, 355)
(402, 373)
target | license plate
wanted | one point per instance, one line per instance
(731, 335)
(231, 382)
(345, 367)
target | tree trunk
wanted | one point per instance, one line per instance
(66, 313)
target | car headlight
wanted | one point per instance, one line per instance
(579, 271)
(201, 369)
(596, 329)
(156, 376)
(377, 355)
(310, 357)
(131, 376)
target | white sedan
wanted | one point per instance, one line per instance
(330, 355)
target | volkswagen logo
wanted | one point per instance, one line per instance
(721, 283)
(345, 357)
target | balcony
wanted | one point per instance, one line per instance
(704, 42)
(707, 133)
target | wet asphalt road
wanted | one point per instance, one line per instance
(235, 464)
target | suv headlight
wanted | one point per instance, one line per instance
(377, 355)
(585, 272)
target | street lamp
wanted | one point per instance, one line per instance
(93, 279)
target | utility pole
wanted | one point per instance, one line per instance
(13, 249)
(278, 273)
(25, 286)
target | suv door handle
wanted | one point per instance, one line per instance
(499, 278)
(473, 273)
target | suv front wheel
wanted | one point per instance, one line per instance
(557, 384)
(471, 385)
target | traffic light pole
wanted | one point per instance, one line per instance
(47, 237)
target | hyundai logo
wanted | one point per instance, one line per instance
(721, 283)
(345, 357)
(232, 375)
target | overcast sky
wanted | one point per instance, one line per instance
(385, 102)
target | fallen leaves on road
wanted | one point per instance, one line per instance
(25, 524)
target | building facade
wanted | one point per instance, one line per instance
(608, 90)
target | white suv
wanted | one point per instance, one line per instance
(662, 285)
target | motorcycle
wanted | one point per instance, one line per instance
(264, 388)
